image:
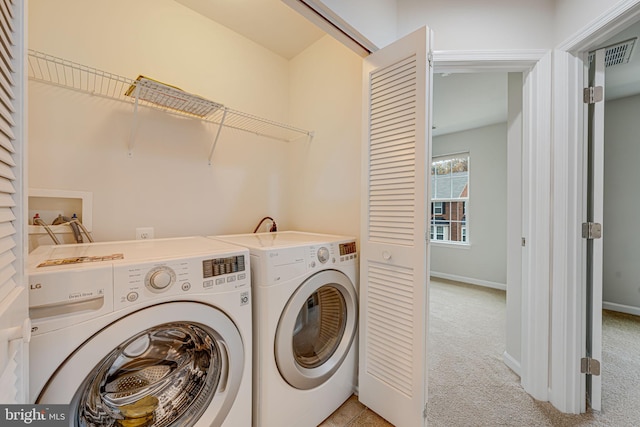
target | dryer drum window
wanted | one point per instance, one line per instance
(316, 329)
(319, 327)
(166, 374)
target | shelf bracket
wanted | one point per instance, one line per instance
(215, 141)
(134, 124)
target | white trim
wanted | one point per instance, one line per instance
(451, 244)
(536, 64)
(451, 156)
(621, 308)
(567, 337)
(514, 220)
(511, 363)
(568, 274)
(461, 61)
(469, 280)
(624, 13)
(536, 229)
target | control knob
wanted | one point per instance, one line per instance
(323, 255)
(160, 278)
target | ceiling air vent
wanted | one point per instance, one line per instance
(617, 54)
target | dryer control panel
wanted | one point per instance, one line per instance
(283, 264)
(179, 277)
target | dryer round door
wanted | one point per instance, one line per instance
(168, 364)
(316, 329)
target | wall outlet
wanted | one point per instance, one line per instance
(143, 233)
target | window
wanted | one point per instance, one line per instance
(437, 208)
(449, 198)
(439, 232)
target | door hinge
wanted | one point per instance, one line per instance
(430, 59)
(593, 94)
(523, 242)
(424, 413)
(591, 230)
(589, 366)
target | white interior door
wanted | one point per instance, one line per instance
(394, 269)
(14, 306)
(595, 193)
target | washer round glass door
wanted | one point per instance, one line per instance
(168, 373)
(316, 329)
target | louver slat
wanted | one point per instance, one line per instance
(13, 301)
(390, 313)
(392, 154)
(6, 157)
(7, 150)
(6, 186)
(5, 142)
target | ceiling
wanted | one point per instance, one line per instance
(468, 100)
(270, 23)
(461, 101)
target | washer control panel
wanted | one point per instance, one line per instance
(136, 283)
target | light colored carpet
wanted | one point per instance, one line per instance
(471, 386)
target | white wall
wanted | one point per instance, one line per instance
(621, 269)
(326, 95)
(572, 16)
(80, 143)
(376, 20)
(481, 25)
(484, 260)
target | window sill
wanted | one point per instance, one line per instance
(451, 245)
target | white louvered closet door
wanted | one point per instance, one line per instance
(14, 330)
(394, 268)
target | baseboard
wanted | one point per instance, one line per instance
(511, 363)
(629, 309)
(469, 280)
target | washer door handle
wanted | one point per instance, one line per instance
(224, 377)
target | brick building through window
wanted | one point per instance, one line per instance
(449, 198)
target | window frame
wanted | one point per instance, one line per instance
(439, 208)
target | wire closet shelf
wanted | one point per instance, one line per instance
(150, 93)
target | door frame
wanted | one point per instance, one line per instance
(569, 134)
(536, 66)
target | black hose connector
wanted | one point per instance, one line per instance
(274, 226)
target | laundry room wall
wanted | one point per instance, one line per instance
(621, 270)
(483, 261)
(323, 192)
(473, 25)
(78, 142)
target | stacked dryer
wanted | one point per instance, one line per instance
(305, 325)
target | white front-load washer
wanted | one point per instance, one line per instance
(139, 333)
(305, 325)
